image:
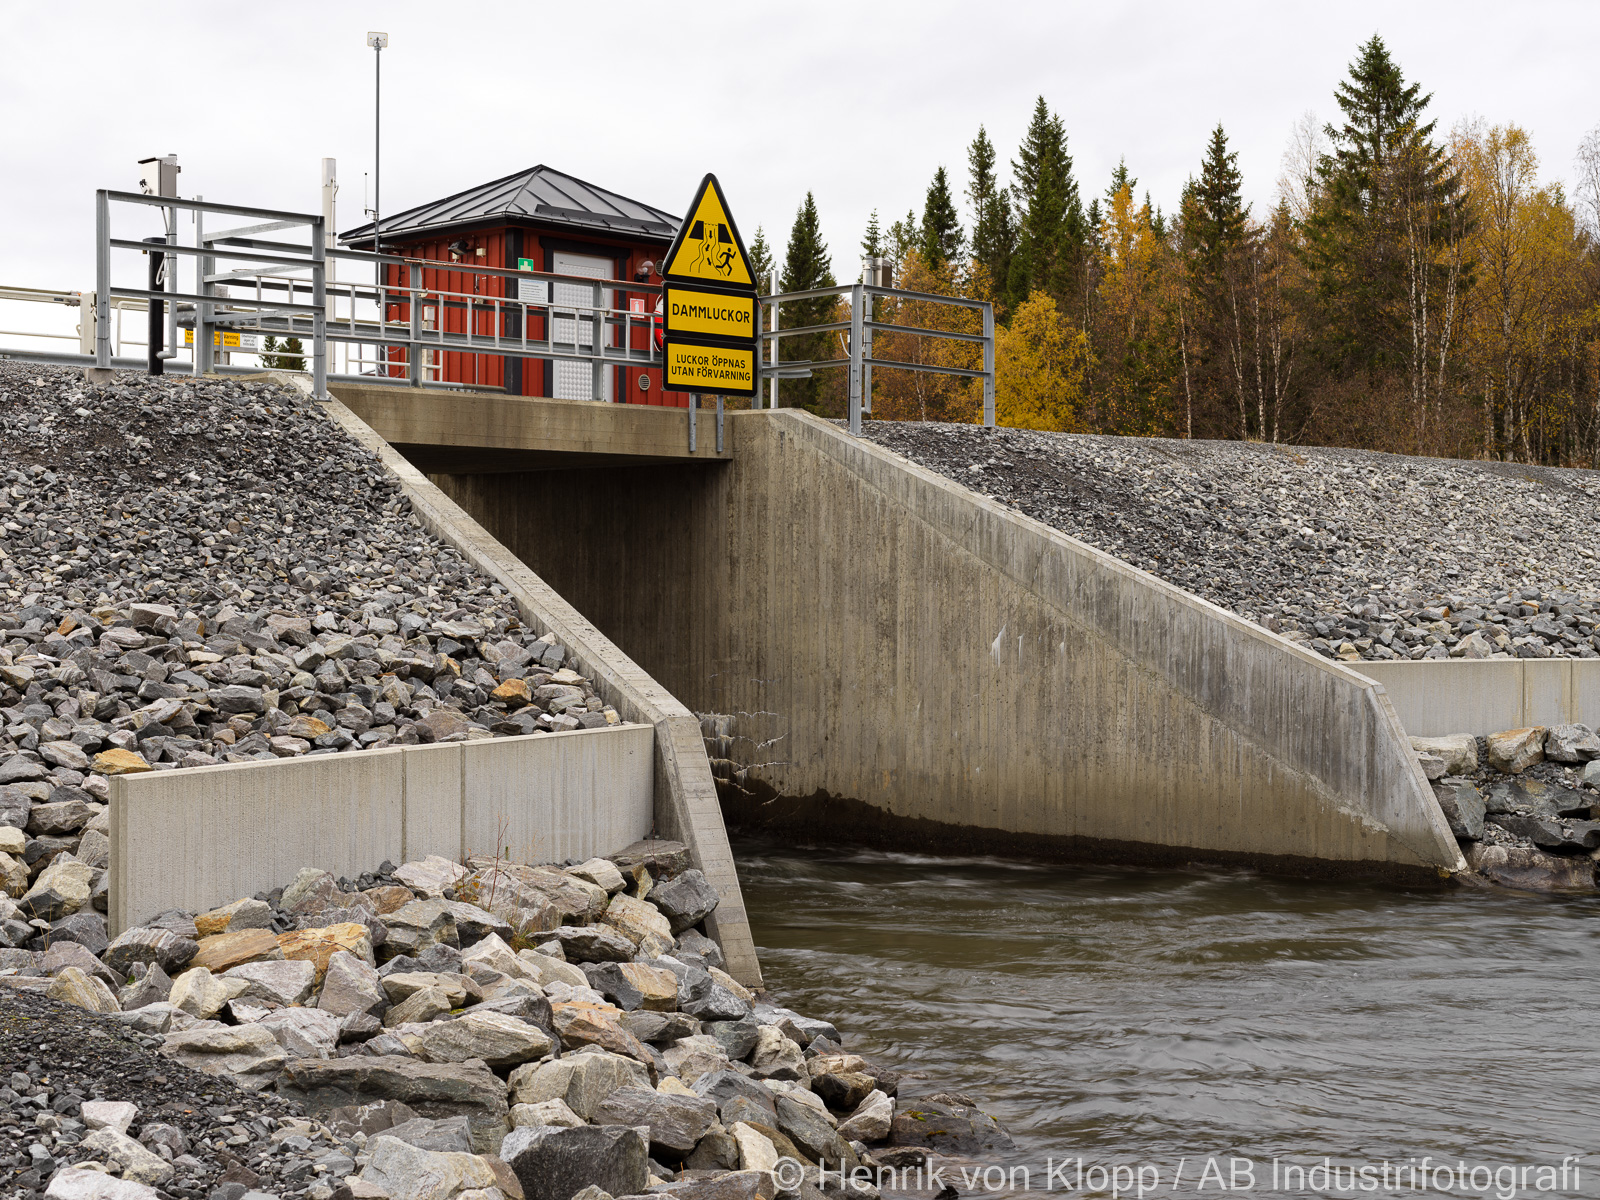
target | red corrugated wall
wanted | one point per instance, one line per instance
(488, 370)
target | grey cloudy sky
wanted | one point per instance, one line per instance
(858, 102)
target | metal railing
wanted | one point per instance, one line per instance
(861, 327)
(287, 289)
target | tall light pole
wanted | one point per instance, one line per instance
(378, 41)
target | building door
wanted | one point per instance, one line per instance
(575, 380)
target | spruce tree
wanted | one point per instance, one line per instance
(761, 260)
(807, 265)
(1051, 229)
(1214, 222)
(1120, 179)
(941, 239)
(994, 232)
(872, 243)
(1385, 174)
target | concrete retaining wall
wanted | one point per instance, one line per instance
(1436, 697)
(686, 807)
(903, 659)
(197, 838)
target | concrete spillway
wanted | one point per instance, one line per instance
(897, 659)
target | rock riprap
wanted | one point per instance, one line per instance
(1523, 803)
(437, 1029)
(1356, 554)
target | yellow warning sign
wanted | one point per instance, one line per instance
(715, 369)
(708, 248)
(714, 314)
(227, 341)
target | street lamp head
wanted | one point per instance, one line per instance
(378, 41)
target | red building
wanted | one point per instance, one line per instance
(535, 220)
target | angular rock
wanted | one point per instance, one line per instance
(247, 1054)
(1462, 806)
(948, 1128)
(581, 1023)
(61, 889)
(545, 1112)
(201, 994)
(693, 1058)
(14, 880)
(419, 1008)
(73, 1183)
(318, 946)
(303, 1032)
(241, 914)
(153, 987)
(635, 985)
(601, 872)
(284, 982)
(433, 1090)
(1571, 744)
(700, 995)
(88, 929)
(691, 943)
(431, 876)
(223, 951)
(72, 986)
(547, 970)
(662, 858)
(454, 1134)
(1513, 751)
(416, 926)
(582, 1081)
(553, 1163)
(676, 1122)
(109, 1114)
(133, 1161)
(495, 1038)
(61, 955)
(638, 919)
(1553, 834)
(120, 762)
(686, 899)
(312, 887)
(350, 986)
(595, 943)
(756, 1150)
(811, 1133)
(407, 1172)
(871, 1120)
(721, 1087)
(843, 1091)
(149, 945)
(776, 1056)
(58, 820)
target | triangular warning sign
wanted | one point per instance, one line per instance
(708, 248)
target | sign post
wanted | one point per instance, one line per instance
(710, 306)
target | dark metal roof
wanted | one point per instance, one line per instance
(540, 195)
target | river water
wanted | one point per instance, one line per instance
(1170, 1018)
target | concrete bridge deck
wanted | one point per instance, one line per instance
(458, 432)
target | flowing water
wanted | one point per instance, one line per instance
(1170, 1018)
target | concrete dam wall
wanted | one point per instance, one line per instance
(899, 660)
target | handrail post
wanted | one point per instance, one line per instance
(102, 278)
(203, 359)
(988, 365)
(772, 388)
(857, 295)
(694, 415)
(597, 328)
(414, 351)
(319, 319)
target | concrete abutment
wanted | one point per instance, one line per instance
(929, 666)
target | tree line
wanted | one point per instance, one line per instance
(1410, 289)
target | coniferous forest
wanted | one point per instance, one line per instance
(1412, 288)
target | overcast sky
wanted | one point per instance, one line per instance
(858, 102)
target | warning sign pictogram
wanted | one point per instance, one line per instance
(708, 248)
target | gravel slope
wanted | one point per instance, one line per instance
(1339, 547)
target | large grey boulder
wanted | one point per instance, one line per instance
(1552, 833)
(1515, 750)
(676, 1122)
(351, 986)
(870, 1121)
(594, 943)
(1530, 869)
(810, 1131)
(702, 996)
(453, 1134)
(686, 899)
(433, 1090)
(405, 1172)
(416, 926)
(15, 805)
(147, 944)
(285, 981)
(246, 1054)
(721, 1087)
(1571, 744)
(501, 1041)
(583, 1080)
(945, 1126)
(303, 1032)
(1462, 806)
(61, 889)
(553, 1163)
